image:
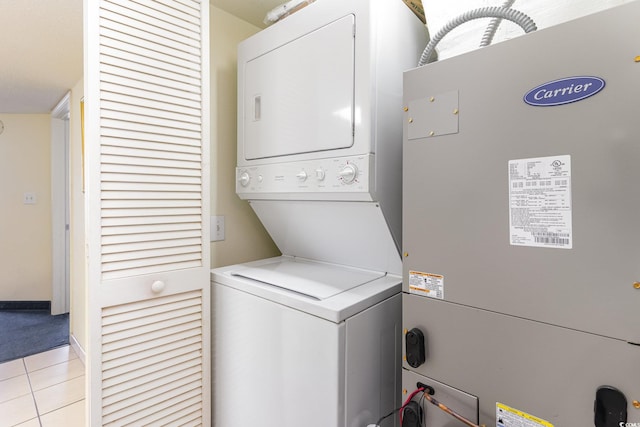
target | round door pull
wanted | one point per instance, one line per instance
(157, 286)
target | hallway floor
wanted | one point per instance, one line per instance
(43, 390)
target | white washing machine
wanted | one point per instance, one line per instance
(304, 343)
(312, 338)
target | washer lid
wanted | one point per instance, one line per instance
(310, 279)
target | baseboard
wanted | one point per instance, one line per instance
(25, 305)
(75, 345)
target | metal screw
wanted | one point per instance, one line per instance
(636, 404)
(405, 331)
(406, 109)
(410, 120)
(406, 254)
(432, 99)
(636, 285)
(455, 111)
(637, 58)
(432, 133)
(404, 391)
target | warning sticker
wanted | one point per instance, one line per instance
(509, 417)
(426, 284)
(540, 202)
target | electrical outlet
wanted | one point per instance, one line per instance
(217, 228)
(29, 198)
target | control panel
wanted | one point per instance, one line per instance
(343, 175)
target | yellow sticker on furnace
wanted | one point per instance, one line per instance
(426, 284)
(510, 417)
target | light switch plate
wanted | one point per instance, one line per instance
(217, 228)
(29, 198)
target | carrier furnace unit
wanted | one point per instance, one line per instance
(521, 227)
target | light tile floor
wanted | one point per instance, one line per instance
(43, 390)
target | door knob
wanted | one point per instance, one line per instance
(157, 286)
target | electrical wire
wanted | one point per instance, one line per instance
(433, 401)
(406, 402)
(526, 23)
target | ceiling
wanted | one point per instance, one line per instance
(41, 53)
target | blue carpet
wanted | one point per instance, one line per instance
(27, 332)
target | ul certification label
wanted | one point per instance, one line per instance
(509, 417)
(540, 202)
(426, 284)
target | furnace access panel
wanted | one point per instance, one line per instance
(521, 221)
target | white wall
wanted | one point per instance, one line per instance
(467, 37)
(25, 230)
(245, 237)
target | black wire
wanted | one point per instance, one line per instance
(424, 408)
(388, 415)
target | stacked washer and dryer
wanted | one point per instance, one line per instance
(312, 338)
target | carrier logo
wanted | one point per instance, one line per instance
(564, 91)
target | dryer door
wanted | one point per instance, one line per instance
(299, 97)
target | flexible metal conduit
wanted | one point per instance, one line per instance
(512, 15)
(490, 32)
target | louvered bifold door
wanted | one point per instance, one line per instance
(146, 176)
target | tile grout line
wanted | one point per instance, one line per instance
(24, 363)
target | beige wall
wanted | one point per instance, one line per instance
(245, 238)
(78, 315)
(25, 230)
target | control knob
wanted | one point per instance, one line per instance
(349, 173)
(302, 176)
(244, 179)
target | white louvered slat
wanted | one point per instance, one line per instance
(148, 237)
(147, 89)
(170, 211)
(152, 137)
(135, 414)
(141, 27)
(116, 32)
(142, 204)
(167, 164)
(152, 20)
(149, 245)
(135, 349)
(127, 102)
(152, 353)
(156, 122)
(173, 9)
(186, 115)
(147, 113)
(159, 363)
(139, 80)
(142, 392)
(115, 55)
(147, 220)
(151, 145)
(119, 314)
(144, 49)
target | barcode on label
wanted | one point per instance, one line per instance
(552, 238)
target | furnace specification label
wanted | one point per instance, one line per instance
(426, 284)
(540, 202)
(510, 417)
